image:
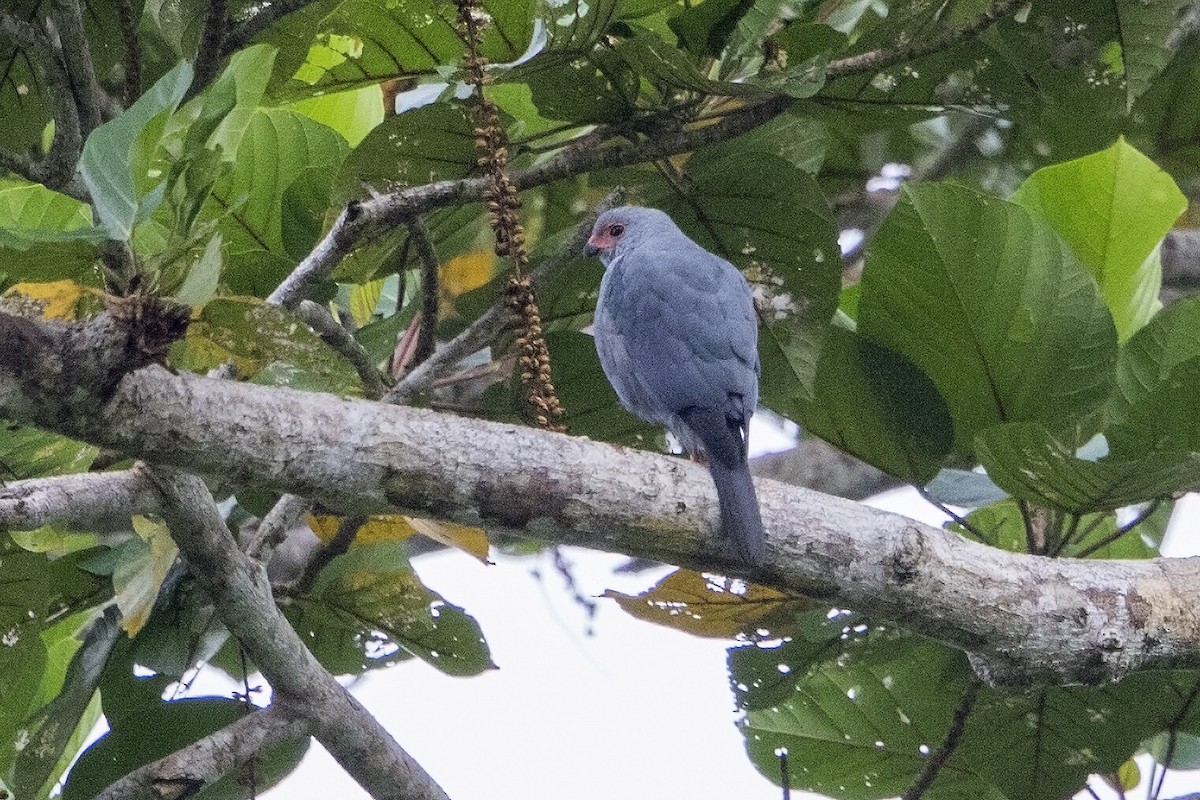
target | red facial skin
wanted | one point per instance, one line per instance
(606, 239)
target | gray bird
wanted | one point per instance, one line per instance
(677, 337)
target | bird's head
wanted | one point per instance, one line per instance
(620, 230)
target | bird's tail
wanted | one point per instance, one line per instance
(740, 518)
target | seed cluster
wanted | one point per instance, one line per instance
(503, 205)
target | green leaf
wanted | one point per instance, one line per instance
(352, 114)
(771, 220)
(117, 155)
(359, 42)
(202, 279)
(592, 406)
(33, 453)
(987, 301)
(279, 186)
(252, 335)
(1158, 377)
(1113, 208)
(874, 404)
(1027, 461)
(1145, 28)
(60, 725)
(138, 573)
(368, 606)
(703, 29)
(860, 722)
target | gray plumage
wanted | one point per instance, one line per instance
(677, 337)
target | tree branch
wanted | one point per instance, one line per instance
(418, 234)
(209, 53)
(190, 769)
(242, 595)
(81, 70)
(95, 501)
(320, 320)
(1024, 619)
(494, 320)
(57, 169)
(243, 34)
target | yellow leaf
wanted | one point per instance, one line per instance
(470, 540)
(393, 528)
(704, 605)
(364, 297)
(1129, 774)
(466, 272)
(58, 299)
(136, 580)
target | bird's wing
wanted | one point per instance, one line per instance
(685, 336)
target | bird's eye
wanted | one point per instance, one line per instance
(616, 230)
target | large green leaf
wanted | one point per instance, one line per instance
(1145, 28)
(69, 711)
(369, 609)
(31, 452)
(874, 404)
(1026, 460)
(985, 299)
(360, 42)
(264, 342)
(272, 206)
(117, 156)
(1113, 208)
(861, 721)
(1061, 735)
(770, 219)
(1158, 378)
(861, 708)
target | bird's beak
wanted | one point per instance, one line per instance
(593, 247)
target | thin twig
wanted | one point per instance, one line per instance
(57, 169)
(207, 760)
(418, 234)
(938, 759)
(495, 319)
(959, 520)
(1121, 531)
(263, 18)
(339, 544)
(128, 23)
(320, 320)
(275, 525)
(81, 70)
(209, 54)
(1186, 27)
(876, 60)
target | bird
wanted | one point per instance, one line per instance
(677, 336)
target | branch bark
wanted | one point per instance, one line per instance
(190, 769)
(1023, 619)
(239, 589)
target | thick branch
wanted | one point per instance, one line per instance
(1023, 618)
(98, 501)
(240, 591)
(191, 769)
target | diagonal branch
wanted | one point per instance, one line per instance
(242, 595)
